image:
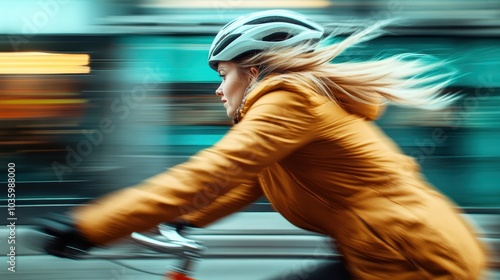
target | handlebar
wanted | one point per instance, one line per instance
(169, 241)
(172, 242)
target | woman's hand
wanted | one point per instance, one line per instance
(64, 239)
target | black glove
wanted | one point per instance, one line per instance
(64, 240)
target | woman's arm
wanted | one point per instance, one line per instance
(277, 124)
(229, 203)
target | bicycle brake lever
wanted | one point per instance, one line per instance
(173, 242)
(174, 236)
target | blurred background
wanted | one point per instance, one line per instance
(99, 95)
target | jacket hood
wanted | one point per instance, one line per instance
(276, 82)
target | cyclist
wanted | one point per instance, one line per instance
(304, 138)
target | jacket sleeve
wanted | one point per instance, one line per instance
(229, 203)
(278, 123)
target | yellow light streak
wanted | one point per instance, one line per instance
(203, 4)
(43, 63)
(45, 70)
(42, 101)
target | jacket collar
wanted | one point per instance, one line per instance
(277, 82)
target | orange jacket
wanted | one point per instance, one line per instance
(326, 168)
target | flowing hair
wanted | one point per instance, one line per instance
(403, 79)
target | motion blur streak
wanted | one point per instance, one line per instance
(98, 95)
(43, 63)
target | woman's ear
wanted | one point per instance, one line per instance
(254, 72)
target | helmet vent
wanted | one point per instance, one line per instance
(280, 19)
(225, 42)
(277, 37)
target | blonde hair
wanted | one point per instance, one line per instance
(403, 79)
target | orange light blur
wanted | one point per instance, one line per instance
(43, 63)
(289, 4)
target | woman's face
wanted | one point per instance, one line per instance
(233, 86)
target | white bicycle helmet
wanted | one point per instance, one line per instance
(261, 31)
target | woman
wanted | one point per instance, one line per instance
(305, 139)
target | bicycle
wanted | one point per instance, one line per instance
(166, 240)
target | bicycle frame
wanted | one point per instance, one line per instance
(177, 276)
(172, 242)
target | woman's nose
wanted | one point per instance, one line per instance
(218, 91)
